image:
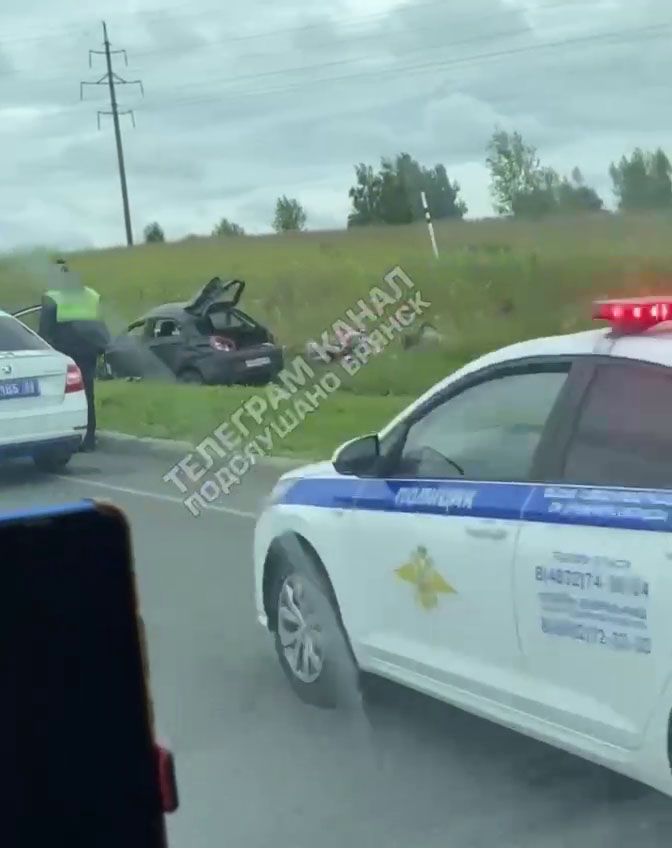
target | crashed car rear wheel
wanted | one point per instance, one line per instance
(191, 375)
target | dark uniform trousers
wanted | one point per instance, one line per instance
(87, 365)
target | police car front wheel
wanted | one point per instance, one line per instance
(299, 630)
(309, 640)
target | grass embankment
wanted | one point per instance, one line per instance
(496, 282)
(193, 412)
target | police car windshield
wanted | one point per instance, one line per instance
(14, 336)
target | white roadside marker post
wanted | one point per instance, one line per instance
(430, 226)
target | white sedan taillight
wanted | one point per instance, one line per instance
(73, 380)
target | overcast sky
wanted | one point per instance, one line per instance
(245, 101)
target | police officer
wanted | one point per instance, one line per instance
(70, 320)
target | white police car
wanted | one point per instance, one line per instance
(43, 407)
(505, 544)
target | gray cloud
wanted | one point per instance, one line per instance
(6, 67)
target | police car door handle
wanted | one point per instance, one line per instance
(487, 532)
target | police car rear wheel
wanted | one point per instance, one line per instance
(310, 642)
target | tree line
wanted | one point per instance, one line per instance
(520, 185)
(289, 215)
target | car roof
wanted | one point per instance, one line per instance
(654, 346)
(166, 310)
(173, 310)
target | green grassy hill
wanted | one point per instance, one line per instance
(496, 282)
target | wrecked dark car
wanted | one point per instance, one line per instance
(206, 340)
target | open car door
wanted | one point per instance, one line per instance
(217, 291)
(30, 316)
(26, 310)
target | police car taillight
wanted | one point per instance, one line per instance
(639, 313)
(73, 380)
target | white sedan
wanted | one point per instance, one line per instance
(43, 407)
(505, 545)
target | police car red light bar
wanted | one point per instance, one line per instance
(636, 312)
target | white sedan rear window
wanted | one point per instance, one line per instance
(14, 336)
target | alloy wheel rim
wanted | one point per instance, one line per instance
(299, 630)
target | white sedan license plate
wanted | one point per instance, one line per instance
(260, 360)
(19, 388)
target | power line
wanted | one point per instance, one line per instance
(623, 37)
(351, 60)
(112, 79)
(189, 14)
(357, 21)
(627, 35)
(226, 93)
(173, 13)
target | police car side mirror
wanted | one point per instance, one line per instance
(358, 456)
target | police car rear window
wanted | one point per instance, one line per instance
(622, 437)
(14, 336)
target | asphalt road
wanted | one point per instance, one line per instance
(257, 768)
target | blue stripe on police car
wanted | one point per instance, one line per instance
(628, 509)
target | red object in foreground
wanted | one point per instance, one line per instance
(73, 380)
(167, 780)
(637, 313)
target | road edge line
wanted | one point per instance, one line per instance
(111, 441)
(157, 496)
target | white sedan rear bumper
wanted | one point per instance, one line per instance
(39, 430)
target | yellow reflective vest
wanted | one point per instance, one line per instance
(80, 305)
